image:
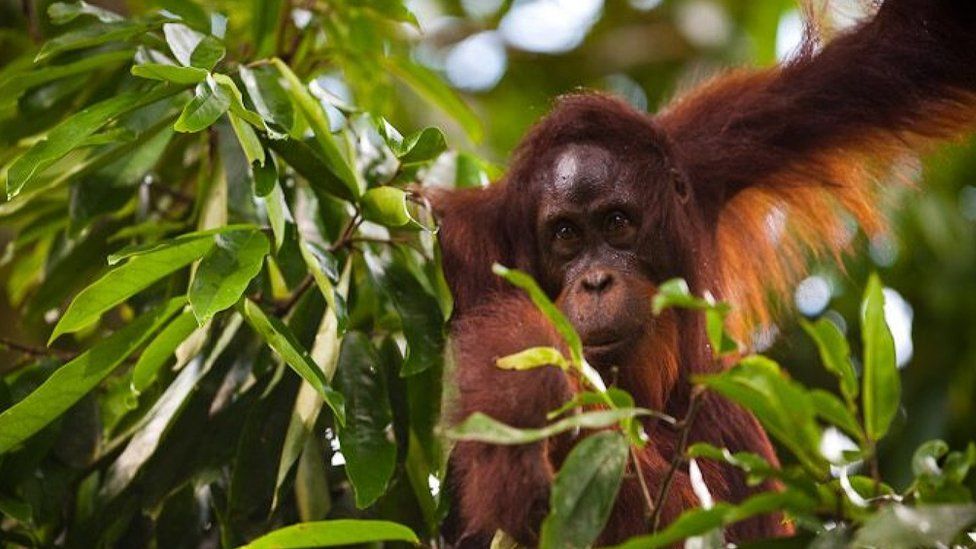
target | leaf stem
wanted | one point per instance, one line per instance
(685, 427)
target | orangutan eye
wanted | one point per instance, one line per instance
(616, 221)
(566, 231)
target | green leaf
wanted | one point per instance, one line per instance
(831, 409)
(422, 146)
(170, 73)
(584, 491)
(269, 97)
(73, 132)
(315, 116)
(429, 85)
(783, 406)
(422, 320)
(73, 380)
(697, 522)
(310, 165)
(542, 301)
(392, 9)
(92, 35)
(192, 48)
(250, 143)
(835, 354)
(61, 12)
(209, 103)
(264, 25)
(925, 461)
(386, 206)
(225, 272)
(143, 249)
(330, 533)
(898, 526)
(481, 428)
(882, 385)
(367, 438)
(753, 464)
(470, 171)
(208, 53)
(17, 83)
(265, 175)
(534, 357)
(160, 349)
(675, 293)
(280, 338)
(131, 278)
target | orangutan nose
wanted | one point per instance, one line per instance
(597, 281)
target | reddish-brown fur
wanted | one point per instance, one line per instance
(811, 139)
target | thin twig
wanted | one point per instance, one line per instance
(31, 350)
(284, 306)
(645, 491)
(346, 238)
(679, 453)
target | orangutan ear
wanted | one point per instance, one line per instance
(682, 188)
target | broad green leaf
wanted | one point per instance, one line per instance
(250, 144)
(17, 83)
(431, 87)
(210, 102)
(584, 491)
(831, 408)
(309, 164)
(62, 12)
(675, 293)
(278, 215)
(127, 280)
(534, 357)
(331, 533)
(421, 315)
(237, 102)
(265, 175)
(308, 404)
(882, 385)
(470, 171)
(225, 272)
(265, 25)
(143, 249)
(72, 133)
(696, 522)
(835, 354)
(192, 48)
(392, 9)
(160, 349)
(269, 97)
(753, 464)
(542, 301)
(208, 53)
(783, 406)
(386, 206)
(93, 35)
(422, 146)
(367, 438)
(170, 73)
(73, 380)
(280, 338)
(899, 526)
(481, 428)
(315, 116)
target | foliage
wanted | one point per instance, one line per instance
(245, 316)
